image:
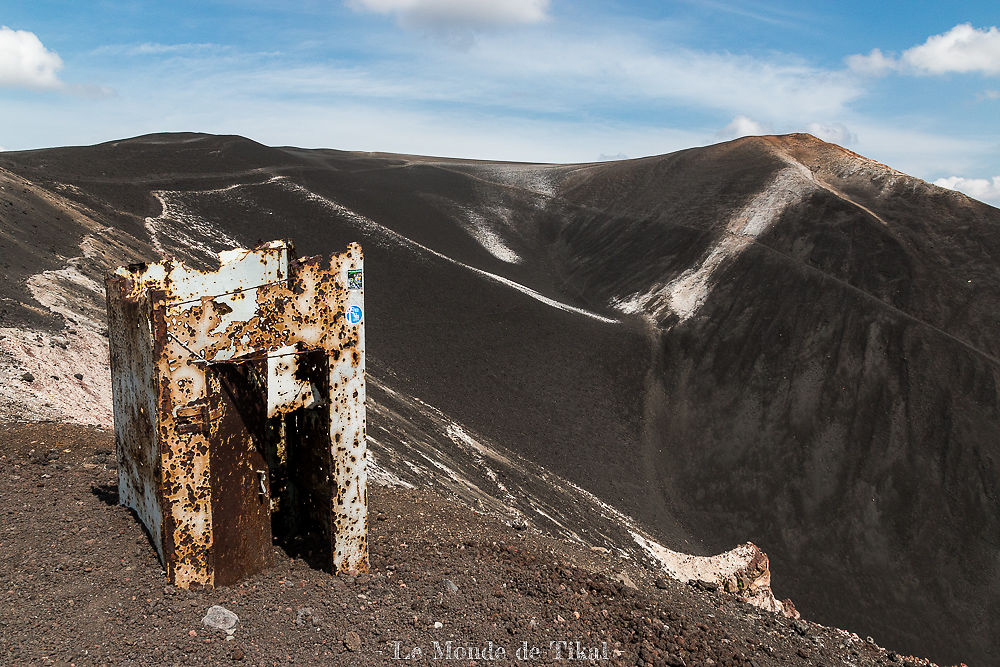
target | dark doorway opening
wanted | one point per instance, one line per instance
(271, 476)
(303, 483)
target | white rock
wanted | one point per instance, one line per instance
(221, 618)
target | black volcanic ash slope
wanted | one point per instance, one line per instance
(832, 392)
(771, 339)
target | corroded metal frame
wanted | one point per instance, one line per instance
(169, 325)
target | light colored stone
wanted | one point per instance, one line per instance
(220, 618)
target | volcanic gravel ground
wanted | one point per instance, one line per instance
(81, 585)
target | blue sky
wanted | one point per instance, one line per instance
(913, 84)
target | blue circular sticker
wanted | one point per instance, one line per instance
(354, 314)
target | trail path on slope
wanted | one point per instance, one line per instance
(371, 225)
(888, 306)
(755, 241)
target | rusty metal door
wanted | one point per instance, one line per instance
(241, 496)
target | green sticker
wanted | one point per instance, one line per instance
(355, 279)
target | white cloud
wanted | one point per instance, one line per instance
(962, 49)
(25, 62)
(592, 70)
(758, 12)
(835, 133)
(875, 63)
(984, 189)
(990, 95)
(450, 14)
(155, 48)
(741, 126)
(573, 75)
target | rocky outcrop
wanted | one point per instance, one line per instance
(744, 572)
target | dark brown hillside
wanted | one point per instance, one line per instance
(835, 385)
(771, 339)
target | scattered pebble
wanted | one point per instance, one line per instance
(220, 618)
(305, 616)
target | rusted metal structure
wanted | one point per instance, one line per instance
(239, 403)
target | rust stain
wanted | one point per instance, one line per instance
(287, 337)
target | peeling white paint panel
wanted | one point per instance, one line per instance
(240, 271)
(285, 390)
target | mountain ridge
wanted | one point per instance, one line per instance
(740, 341)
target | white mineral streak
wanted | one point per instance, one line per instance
(684, 295)
(54, 359)
(532, 177)
(176, 231)
(395, 237)
(482, 231)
